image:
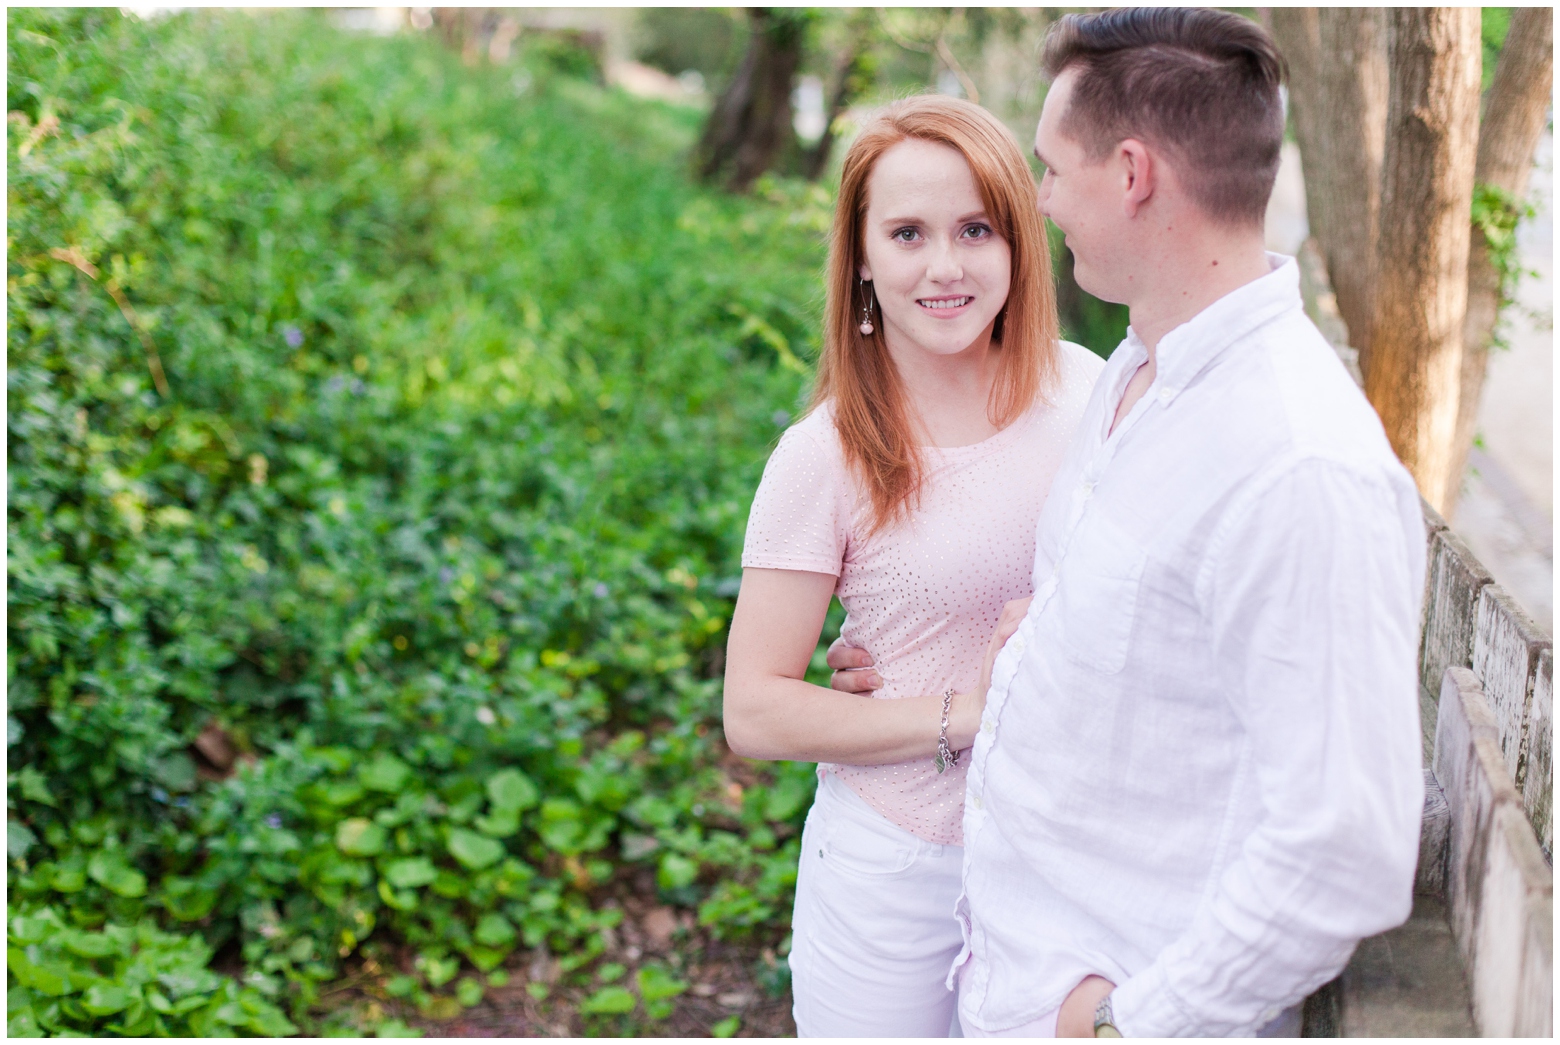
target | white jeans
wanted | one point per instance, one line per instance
(873, 933)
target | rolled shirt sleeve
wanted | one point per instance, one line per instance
(1312, 590)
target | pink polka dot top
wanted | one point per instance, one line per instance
(921, 596)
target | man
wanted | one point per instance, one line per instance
(1198, 780)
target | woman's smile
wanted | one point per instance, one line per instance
(945, 307)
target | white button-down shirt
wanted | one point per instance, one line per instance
(1198, 773)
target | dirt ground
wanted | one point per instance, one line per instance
(743, 979)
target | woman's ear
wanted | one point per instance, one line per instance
(864, 272)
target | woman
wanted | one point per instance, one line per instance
(911, 490)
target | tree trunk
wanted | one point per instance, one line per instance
(750, 126)
(1414, 369)
(853, 75)
(1338, 93)
(1514, 118)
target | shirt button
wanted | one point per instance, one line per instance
(1018, 644)
(976, 802)
(987, 726)
(1088, 489)
(1166, 394)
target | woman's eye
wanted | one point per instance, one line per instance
(977, 231)
(905, 235)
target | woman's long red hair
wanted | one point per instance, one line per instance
(856, 372)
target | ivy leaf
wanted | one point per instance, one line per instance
(609, 1001)
(676, 871)
(34, 789)
(511, 790)
(385, 773)
(438, 970)
(502, 824)
(468, 992)
(110, 870)
(88, 945)
(101, 999)
(656, 984)
(411, 873)
(18, 839)
(360, 836)
(68, 878)
(396, 1029)
(186, 898)
(43, 979)
(494, 930)
(473, 850)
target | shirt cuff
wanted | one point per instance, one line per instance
(1145, 1008)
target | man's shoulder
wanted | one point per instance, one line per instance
(1296, 387)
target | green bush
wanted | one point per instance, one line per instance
(399, 421)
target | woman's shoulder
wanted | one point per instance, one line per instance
(1077, 363)
(812, 443)
(814, 432)
(1077, 369)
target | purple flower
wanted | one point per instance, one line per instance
(274, 820)
(292, 335)
(600, 590)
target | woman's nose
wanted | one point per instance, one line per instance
(943, 266)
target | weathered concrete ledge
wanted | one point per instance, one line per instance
(1486, 691)
(1472, 622)
(1499, 887)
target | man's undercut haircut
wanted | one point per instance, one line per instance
(1200, 84)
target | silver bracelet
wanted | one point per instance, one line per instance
(945, 756)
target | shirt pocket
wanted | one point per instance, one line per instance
(1099, 582)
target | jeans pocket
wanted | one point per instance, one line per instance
(881, 851)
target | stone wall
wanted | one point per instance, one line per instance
(1471, 622)
(1486, 696)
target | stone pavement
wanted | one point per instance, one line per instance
(1408, 983)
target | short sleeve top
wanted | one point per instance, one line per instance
(922, 595)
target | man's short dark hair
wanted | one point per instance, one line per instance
(1200, 84)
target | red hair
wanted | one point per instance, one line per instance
(856, 372)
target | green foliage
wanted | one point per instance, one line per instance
(1496, 214)
(130, 980)
(1494, 23)
(439, 521)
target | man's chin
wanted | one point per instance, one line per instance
(1089, 282)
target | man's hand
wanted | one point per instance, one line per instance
(1012, 616)
(1075, 1019)
(853, 671)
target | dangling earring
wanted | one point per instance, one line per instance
(866, 310)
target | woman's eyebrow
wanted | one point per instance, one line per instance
(978, 215)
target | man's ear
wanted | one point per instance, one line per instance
(1138, 175)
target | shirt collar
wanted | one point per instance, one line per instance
(1190, 348)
